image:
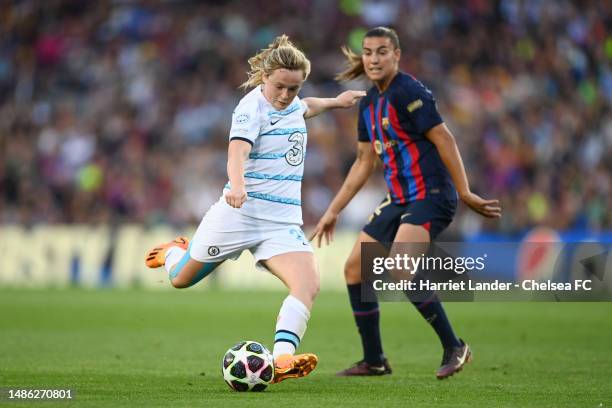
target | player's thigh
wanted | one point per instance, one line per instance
(421, 223)
(298, 271)
(352, 266)
(412, 234)
(412, 241)
(381, 227)
(222, 234)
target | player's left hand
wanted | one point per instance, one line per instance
(349, 98)
(325, 228)
(487, 208)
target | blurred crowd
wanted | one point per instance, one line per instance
(119, 111)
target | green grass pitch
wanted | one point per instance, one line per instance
(141, 348)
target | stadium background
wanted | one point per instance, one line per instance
(116, 113)
(113, 134)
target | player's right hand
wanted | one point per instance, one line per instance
(325, 228)
(349, 98)
(236, 197)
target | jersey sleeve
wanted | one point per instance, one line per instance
(362, 130)
(245, 123)
(418, 106)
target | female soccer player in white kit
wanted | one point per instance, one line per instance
(260, 209)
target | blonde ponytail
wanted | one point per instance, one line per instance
(281, 53)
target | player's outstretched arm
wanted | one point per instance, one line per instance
(319, 105)
(445, 142)
(359, 173)
(237, 153)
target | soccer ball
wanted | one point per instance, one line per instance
(248, 366)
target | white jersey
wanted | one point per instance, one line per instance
(273, 172)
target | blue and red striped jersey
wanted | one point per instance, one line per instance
(395, 122)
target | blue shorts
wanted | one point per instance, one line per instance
(434, 214)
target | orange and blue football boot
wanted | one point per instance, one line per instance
(293, 366)
(156, 257)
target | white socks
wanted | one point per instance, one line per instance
(173, 257)
(290, 326)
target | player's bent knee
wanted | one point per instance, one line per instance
(400, 275)
(308, 290)
(315, 288)
(179, 283)
(312, 287)
(189, 275)
(352, 272)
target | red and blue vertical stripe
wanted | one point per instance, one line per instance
(409, 149)
(400, 154)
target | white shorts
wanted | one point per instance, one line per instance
(224, 233)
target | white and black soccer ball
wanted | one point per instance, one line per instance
(248, 366)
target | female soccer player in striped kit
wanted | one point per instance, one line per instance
(260, 209)
(399, 123)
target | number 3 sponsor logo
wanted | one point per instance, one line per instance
(295, 156)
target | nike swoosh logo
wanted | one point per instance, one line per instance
(462, 359)
(275, 122)
(405, 215)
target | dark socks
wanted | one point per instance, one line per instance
(431, 309)
(367, 317)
